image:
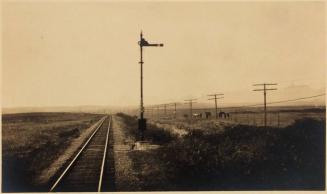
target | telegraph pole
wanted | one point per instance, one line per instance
(215, 98)
(265, 89)
(165, 109)
(175, 110)
(278, 119)
(190, 102)
(142, 121)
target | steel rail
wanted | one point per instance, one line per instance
(77, 155)
(104, 156)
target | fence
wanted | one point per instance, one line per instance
(256, 118)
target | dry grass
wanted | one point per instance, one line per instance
(237, 157)
(249, 158)
(278, 117)
(32, 141)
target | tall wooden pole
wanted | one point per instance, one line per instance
(265, 89)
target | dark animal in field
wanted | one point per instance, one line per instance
(208, 114)
(223, 115)
(185, 115)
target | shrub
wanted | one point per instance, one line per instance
(152, 133)
(245, 157)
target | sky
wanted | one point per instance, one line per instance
(57, 53)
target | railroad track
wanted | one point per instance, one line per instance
(86, 172)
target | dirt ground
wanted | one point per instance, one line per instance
(125, 178)
(136, 169)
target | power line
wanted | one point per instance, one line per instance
(277, 102)
(190, 102)
(175, 109)
(273, 102)
(165, 109)
(296, 99)
(265, 89)
(215, 98)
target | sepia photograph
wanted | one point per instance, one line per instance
(161, 96)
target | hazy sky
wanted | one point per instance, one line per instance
(83, 53)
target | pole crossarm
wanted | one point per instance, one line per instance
(265, 89)
(215, 94)
(267, 84)
(190, 102)
(216, 98)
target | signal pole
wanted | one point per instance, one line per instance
(265, 89)
(190, 102)
(215, 98)
(142, 121)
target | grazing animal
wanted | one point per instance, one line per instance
(197, 115)
(222, 115)
(208, 114)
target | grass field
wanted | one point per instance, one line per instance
(276, 117)
(236, 157)
(249, 158)
(32, 141)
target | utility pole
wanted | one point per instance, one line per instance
(142, 121)
(215, 98)
(278, 119)
(165, 109)
(190, 102)
(265, 89)
(175, 110)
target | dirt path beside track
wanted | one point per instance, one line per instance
(125, 177)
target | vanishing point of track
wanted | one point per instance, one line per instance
(86, 171)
